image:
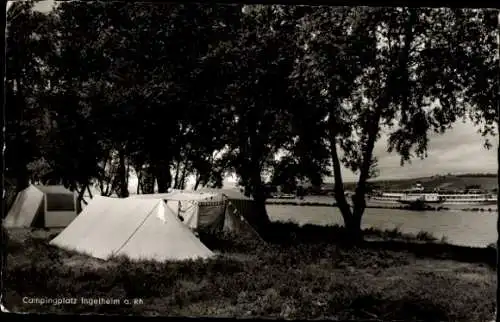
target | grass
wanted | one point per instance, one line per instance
(292, 233)
(301, 273)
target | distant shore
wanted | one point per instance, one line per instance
(304, 203)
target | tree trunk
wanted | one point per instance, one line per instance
(22, 177)
(108, 189)
(163, 177)
(122, 190)
(107, 182)
(101, 185)
(20, 166)
(198, 180)
(138, 166)
(183, 177)
(359, 201)
(147, 182)
(139, 174)
(353, 227)
(103, 177)
(261, 220)
(127, 174)
(80, 198)
(176, 177)
(353, 231)
(90, 192)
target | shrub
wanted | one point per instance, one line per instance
(425, 236)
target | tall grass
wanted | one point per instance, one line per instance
(300, 274)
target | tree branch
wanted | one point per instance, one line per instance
(90, 192)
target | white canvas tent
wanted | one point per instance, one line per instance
(243, 204)
(231, 194)
(42, 207)
(207, 211)
(138, 229)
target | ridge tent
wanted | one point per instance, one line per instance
(40, 206)
(206, 211)
(138, 229)
(233, 194)
(243, 204)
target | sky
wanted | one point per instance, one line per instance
(459, 150)
(44, 6)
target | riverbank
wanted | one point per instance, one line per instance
(302, 272)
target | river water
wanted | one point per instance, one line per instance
(468, 228)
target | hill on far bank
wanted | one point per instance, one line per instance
(452, 182)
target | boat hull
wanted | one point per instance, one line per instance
(462, 205)
(411, 202)
(436, 197)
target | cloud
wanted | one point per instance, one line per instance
(459, 150)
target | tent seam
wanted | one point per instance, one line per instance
(134, 232)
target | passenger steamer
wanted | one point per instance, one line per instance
(474, 197)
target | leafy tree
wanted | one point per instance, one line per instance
(127, 89)
(285, 174)
(377, 69)
(333, 60)
(75, 146)
(182, 110)
(188, 107)
(476, 33)
(143, 67)
(257, 65)
(27, 44)
(477, 53)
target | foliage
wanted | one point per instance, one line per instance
(97, 90)
(256, 65)
(27, 43)
(481, 67)
(404, 80)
